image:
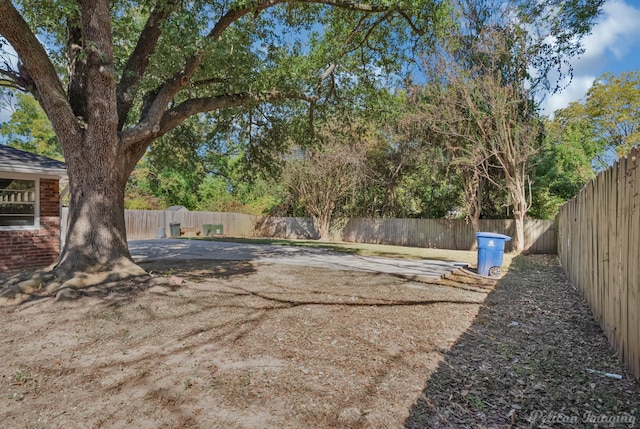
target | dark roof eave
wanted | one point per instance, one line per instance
(42, 172)
(16, 161)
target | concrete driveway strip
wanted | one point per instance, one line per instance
(146, 250)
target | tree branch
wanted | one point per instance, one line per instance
(155, 106)
(369, 8)
(329, 71)
(210, 81)
(138, 61)
(407, 18)
(76, 87)
(48, 88)
(15, 79)
(158, 100)
(177, 115)
(10, 83)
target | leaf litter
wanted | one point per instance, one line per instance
(237, 344)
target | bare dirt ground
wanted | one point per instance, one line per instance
(237, 344)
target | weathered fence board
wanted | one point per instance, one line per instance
(599, 247)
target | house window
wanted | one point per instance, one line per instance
(18, 203)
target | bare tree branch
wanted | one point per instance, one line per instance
(15, 79)
(407, 18)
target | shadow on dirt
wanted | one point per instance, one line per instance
(247, 344)
(170, 273)
(199, 269)
(528, 360)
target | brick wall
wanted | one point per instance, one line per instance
(35, 248)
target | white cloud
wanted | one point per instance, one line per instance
(614, 35)
(574, 92)
(613, 40)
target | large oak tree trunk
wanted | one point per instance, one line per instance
(96, 234)
(98, 164)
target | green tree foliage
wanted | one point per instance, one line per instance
(319, 177)
(215, 194)
(480, 92)
(568, 160)
(202, 166)
(29, 129)
(430, 192)
(514, 132)
(118, 75)
(613, 105)
(581, 138)
(237, 193)
(479, 102)
(139, 194)
(440, 112)
(400, 177)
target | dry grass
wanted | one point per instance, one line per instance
(235, 344)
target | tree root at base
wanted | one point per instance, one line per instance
(61, 283)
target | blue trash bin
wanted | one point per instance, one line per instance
(490, 252)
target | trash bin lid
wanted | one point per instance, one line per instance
(493, 235)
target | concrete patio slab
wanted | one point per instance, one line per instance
(147, 250)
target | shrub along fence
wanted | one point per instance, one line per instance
(599, 247)
(540, 235)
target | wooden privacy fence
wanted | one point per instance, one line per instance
(456, 234)
(144, 224)
(540, 235)
(599, 247)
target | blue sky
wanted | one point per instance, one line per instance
(613, 46)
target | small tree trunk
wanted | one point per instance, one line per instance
(519, 238)
(474, 209)
(472, 185)
(323, 223)
(475, 222)
(519, 212)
